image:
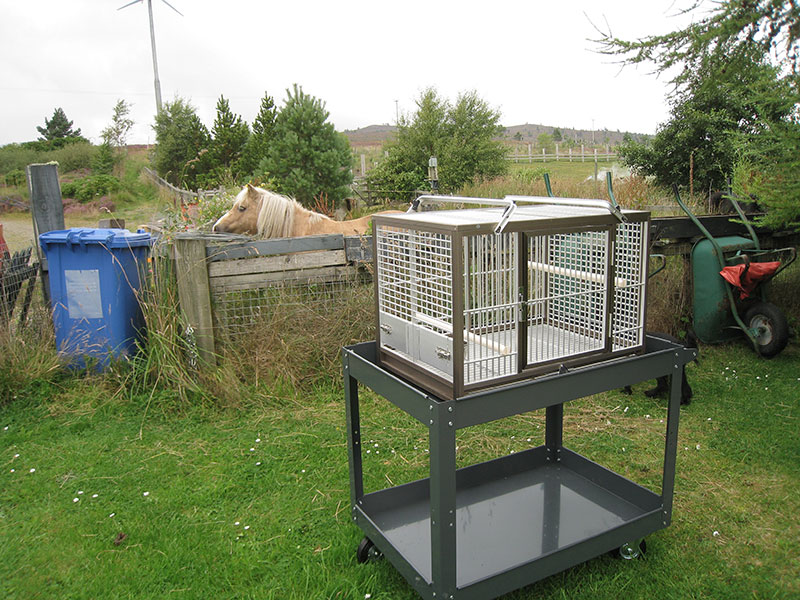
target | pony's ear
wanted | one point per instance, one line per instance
(251, 190)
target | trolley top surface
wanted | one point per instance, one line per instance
(524, 217)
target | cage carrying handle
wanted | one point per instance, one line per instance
(585, 202)
(509, 203)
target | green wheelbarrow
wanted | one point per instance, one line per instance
(729, 275)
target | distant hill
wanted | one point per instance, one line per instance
(372, 135)
(375, 135)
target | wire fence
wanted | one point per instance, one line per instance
(237, 312)
(15, 272)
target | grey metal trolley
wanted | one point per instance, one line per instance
(484, 530)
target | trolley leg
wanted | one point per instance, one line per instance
(671, 443)
(442, 433)
(553, 436)
(353, 437)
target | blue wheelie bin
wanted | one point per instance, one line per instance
(95, 277)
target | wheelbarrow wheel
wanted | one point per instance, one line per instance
(770, 328)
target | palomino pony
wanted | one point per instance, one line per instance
(265, 214)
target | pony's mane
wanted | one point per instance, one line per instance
(276, 217)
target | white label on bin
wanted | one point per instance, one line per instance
(83, 294)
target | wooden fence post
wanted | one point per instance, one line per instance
(46, 206)
(47, 210)
(191, 268)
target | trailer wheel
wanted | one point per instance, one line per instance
(631, 550)
(367, 550)
(771, 328)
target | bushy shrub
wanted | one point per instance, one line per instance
(72, 157)
(15, 177)
(16, 156)
(89, 188)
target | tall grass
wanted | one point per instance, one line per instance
(299, 334)
(27, 354)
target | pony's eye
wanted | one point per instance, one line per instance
(242, 208)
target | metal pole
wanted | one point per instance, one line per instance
(155, 60)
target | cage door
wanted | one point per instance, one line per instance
(567, 295)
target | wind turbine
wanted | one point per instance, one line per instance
(153, 44)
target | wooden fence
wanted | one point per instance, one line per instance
(581, 154)
(181, 197)
(222, 284)
(225, 281)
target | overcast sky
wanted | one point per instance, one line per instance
(365, 59)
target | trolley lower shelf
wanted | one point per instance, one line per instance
(514, 510)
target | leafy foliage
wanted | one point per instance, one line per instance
(727, 33)
(182, 143)
(704, 126)
(89, 188)
(116, 133)
(307, 158)
(15, 177)
(769, 169)
(460, 136)
(724, 44)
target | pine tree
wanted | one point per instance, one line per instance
(58, 127)
(263, 130)
(307, 157)
(229, 136)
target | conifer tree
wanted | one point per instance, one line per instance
(229, 136)
(58, 127)
(263, 130)
(307, 158)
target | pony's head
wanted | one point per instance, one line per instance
(258, 212)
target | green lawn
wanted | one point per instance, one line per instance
(253, 503)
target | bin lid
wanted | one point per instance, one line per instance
(110, 238)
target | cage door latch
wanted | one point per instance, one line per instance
(443, 353)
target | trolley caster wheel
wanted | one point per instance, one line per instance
(367, 550)
(772, 330)
(631, 550)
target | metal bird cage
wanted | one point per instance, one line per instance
(477, 297)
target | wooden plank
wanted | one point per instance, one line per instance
(358, 248)
(46, 206)
(260, 280)
(47, 210)
(254, 248)
(195, 295)
(272, 264)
